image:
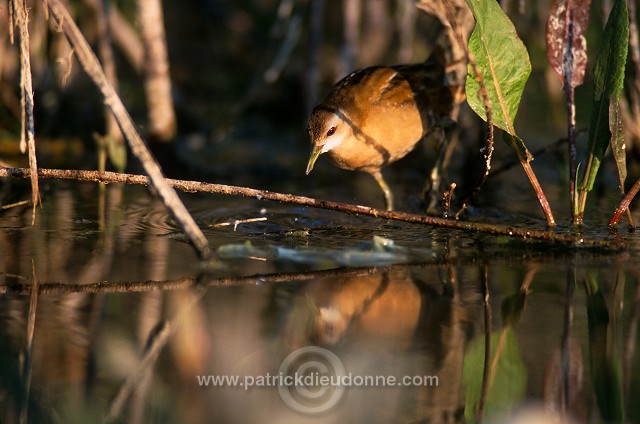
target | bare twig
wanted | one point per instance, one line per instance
(157, 82)
(28, 360)
(566, 340)
(27, 134)
(479, 412)
(624, 205)
(19, 285)
(446, 200)
(14, 205)
(90, 64)
(52, 288)
(571, 125)
(542, 198)
(156, 343)
(188, 282)
(196, 186)
(237, 222)
(154, 346)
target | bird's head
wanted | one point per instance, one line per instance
(327, 130)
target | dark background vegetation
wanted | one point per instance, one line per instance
(227, 113)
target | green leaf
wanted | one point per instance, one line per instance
(509, 382)
(503, 62)
(618, 147)
(609, 81)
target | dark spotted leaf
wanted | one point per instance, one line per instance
(566, 43)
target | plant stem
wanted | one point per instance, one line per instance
(582, 191)
(486, 371)
(27, 133)
(573, 161)
(544, 203)
(624, 205)
(196, 186)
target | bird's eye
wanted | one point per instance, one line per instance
(331, 131)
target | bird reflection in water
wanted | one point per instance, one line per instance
(389, 323)
(384, 307)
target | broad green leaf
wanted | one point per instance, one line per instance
(566, 43)
(609, 81)
(503, 62)
(509, 382)
(618, 147)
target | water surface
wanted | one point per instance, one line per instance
(130, 327)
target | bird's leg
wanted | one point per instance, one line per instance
(447, 133)
(388, 195)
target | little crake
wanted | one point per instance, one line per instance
(377, 115)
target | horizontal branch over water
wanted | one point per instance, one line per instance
(197, 186)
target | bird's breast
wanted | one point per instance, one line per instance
(379, 141)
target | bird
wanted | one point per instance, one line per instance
(376, 115)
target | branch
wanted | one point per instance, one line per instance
(155, 344)
(157, 83)
(13, 286)
(196, 186)
(624, 205)
(27, 134)
(90, 64)
(486, 370)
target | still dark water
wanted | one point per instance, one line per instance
(130, 327)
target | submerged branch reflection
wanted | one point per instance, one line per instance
(123, 314)
(415, 321)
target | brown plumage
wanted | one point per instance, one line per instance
(377, 115)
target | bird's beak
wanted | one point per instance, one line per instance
(315, 153)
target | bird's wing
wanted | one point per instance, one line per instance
(428, 86)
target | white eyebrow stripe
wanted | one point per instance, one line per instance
(332, 143)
